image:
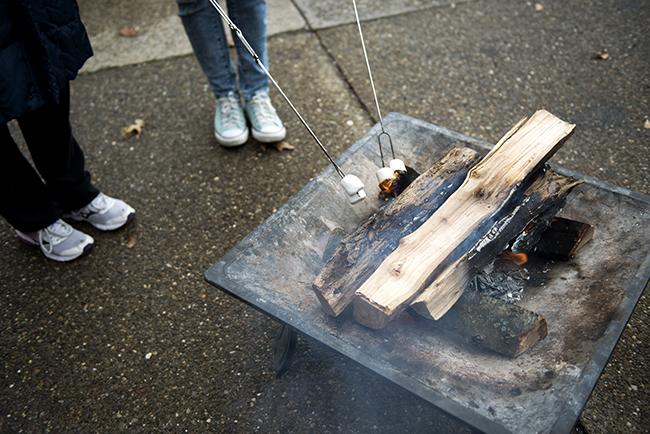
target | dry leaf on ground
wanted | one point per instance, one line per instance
(601, 55)
(128, 32)
(134, 129)
(538, 7)
(131, 242)
(279, 146)
(646, 124)
(283, 146)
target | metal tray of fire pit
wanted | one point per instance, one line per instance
(587, 301)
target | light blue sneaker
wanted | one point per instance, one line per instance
(266, 126)
(230, 127)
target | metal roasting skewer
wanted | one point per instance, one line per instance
(352, 184)
(395, 164)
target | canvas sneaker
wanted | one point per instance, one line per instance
(104, 213)
(230, 127)
(266, 126)
(59, 241)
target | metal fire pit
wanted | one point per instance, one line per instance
(586, 302)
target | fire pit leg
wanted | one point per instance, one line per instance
(284, 348)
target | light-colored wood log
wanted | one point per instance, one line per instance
(460, 221)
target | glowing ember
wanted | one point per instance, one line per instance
(516, 258)
(387, 185)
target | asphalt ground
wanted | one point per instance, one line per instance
(131, 338)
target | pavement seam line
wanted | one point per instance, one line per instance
(339, 70)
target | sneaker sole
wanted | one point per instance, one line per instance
(269, 138)
(232, 142)
(107, 228)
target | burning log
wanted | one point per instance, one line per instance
(562, 240)
(491, 188)
(361, 252)
(546, 194)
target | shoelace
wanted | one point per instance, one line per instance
(263, 109)
(52, 235)
(229, 112)
(99, 203)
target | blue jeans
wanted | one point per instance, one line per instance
(206, 32)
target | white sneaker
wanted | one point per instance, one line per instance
(104, 213)
(59, 241)
(230, 127)
(266, 126)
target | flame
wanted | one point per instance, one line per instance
(387, 185)
(517, 258)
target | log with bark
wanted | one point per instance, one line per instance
(361, 252)
(545, 195)
(489, 323)
(564, 237)
(489, 192)
(477, 318)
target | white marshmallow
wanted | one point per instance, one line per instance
(353, 186)
(397, 165)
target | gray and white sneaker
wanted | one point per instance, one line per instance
(59, 241)
(104, 213)
(230, 127)
(266, 126)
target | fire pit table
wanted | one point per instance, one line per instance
(586, 301)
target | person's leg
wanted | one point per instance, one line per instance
(250, 17)
(60, 161)
(24, 200)
(57, 155)
(205, 31)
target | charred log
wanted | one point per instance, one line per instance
(545, 194)
(484, 321)
(488, 193)
(563, 238)
(361, 252)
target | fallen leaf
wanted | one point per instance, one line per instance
(538, 7)
(283, 146)
(131, 242)
(646, 124)
(135, 128)
(128, 32)
(601, 55)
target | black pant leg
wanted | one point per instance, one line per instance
(24, 200)
(57, 155)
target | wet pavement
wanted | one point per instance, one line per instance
(131, 338)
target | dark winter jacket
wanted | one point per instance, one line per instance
(43, 44)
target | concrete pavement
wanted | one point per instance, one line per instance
(132, 339)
